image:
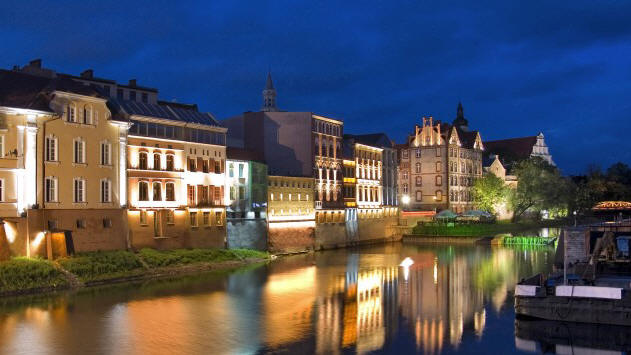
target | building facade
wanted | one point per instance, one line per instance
(438, 165)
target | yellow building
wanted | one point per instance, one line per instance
(60, 155)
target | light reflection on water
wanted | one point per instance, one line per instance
(453, 299)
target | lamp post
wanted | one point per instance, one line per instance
(574, 213)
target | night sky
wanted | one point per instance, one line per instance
(564, 69)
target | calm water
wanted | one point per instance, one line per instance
(452, 299)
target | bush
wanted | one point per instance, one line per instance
(22, 274)
(155, 258)
(102, 265)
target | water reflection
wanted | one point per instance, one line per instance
(331, 302)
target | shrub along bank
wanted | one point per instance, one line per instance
(24, 275)
(481, 230)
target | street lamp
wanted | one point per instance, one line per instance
(574, 218)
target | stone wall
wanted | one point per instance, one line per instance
(331, 235)
(291, 237)
(377, 229)
(247, 233)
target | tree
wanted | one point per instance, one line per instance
(489, 192)
(540, 187)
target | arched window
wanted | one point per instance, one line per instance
(419, 181)
(157, 191)
(157, 161)
(418, 168)
(439, 180)
(170, 162)
(142, 160)
(143, 191)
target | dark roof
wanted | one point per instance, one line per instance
(467, 138)
(511, 149)
(245, 154)
(21, 90)
(380, 140)
(167, 110)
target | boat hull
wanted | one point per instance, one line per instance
(575, 309)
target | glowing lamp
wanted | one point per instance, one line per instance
(405, 199)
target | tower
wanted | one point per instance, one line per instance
(269, 95)
(460, 121)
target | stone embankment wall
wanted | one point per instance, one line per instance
(291, 237)
(247, 233)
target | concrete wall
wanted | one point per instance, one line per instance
(377, 229)
(247, 233)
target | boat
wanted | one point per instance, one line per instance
(594, 290)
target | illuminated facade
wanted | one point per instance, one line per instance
(290, 199)
(438, 165)
(60, 154)
(176, 176)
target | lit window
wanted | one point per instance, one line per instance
(219, 218)
(193, 217)
(51, 189)
(206, 218)
(79, 190)
(170, 217)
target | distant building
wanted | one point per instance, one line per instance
(438, 165)
(294, 144)
(246, 184)
(494, 166)
(388, 164)
(517, 149)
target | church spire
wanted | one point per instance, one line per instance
(460, 121)
(269, 95)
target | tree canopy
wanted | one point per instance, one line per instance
(489, 192)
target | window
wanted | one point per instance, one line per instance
(72, 113)
(106, 153)
(405, 154)
(231, 170)
(142, 160)
(418, 168)
(191, 195)
(439, 180)
(170, 217)
(79, 190)
(170, 191)
(132, 95)
(1, 189)
(241, 192)
(51, 148)
(107, 223)
(143, 191)
(419, 196)
(218, 164)
(418, 152)
(170, 162)
(79, 151)
(241, 166)
(218, 218)
(143, 217)
(193, 217)
(438, 166)
(233, 193)
(51, 189)
(439, 195)
(206, 218)
(405, 175)
(419, 181)
(405, 188)
(437, 151)
(157, 191)
(87, 114)
(81, 224)
(145, 97)
(156, 161)
(106, 195)
(119, 94)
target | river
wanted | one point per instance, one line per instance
(451, 299)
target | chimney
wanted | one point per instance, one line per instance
(132, 82)
(88, 73)
(37, 63)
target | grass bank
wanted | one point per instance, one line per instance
(23, 275)
(481, 230)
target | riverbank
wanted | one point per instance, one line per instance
(481, 230)
(20, 276)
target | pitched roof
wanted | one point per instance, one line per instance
(467, 138)
(167, 110)
(511, 149)
(27, 91)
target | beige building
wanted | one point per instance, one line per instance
(438, 165)
(290, 199)
(60, 155)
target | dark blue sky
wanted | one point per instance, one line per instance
(564, 69)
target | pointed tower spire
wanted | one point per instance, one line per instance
(460, 121)
(269, 95)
